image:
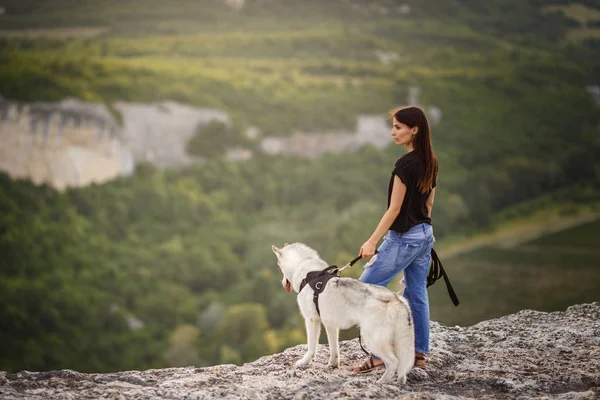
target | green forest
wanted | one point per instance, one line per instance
(173, 267)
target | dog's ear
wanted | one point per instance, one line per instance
(285, 244)
(276, 250)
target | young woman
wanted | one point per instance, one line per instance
(406, 225)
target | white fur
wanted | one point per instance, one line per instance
(383, 316)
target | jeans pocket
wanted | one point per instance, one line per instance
(407, 251)
(410, 247)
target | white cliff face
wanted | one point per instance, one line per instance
(70, 143)
(236, 5)
(158, 133)
(370, 129)
(528, 355)
(74, 143)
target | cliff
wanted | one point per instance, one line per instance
(528, 355)
(70, 143)
(75, 143)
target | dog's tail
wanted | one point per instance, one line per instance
(404, 340)
(400, 291)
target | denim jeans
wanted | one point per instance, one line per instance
(409, 252)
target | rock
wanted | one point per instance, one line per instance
(75, 143)
(528, 355)
(159, 132)
(68, 143)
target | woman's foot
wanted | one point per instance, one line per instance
(419, 360)
(368, 365)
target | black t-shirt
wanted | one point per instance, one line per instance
(409, 168)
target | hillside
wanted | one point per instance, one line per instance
(171, 266)
(284, 69)
(545, 271)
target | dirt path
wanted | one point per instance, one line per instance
(54, 33)
(513, 234)
(559, 250)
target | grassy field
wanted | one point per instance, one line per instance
(583, 238)
(583, 15)
(549, 273)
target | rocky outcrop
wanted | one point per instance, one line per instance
(528, 355)
(370, 129)
(69, 143)
(75, 143)
(159, 132)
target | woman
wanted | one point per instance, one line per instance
(407, 225)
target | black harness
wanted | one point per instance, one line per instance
(317, 280)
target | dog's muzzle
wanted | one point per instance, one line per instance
(286, 284)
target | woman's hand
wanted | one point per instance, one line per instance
(368, 249)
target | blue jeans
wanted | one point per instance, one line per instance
(409, 252)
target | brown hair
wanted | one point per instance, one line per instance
(413, 116)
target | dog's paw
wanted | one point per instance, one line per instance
(384, 380)
(386, 377)
(303, 362)
(334, 364)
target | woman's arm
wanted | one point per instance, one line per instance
(398, 192)
(429, 202)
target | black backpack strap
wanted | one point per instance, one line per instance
(436, 271)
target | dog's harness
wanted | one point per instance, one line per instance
(317, 280)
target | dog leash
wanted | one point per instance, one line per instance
(351, 263)
(436, 271)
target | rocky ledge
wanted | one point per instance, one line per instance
(529, 355)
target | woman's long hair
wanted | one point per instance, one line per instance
(413, 116)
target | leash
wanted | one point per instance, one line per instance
(436, 271)
(351, 263)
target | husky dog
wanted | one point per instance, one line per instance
(383, 317)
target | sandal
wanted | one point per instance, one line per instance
(419, 361)
(367, 366)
